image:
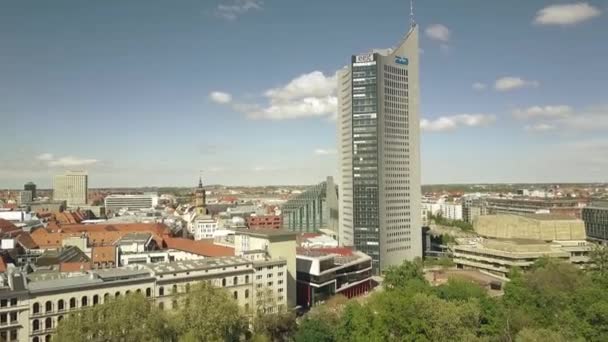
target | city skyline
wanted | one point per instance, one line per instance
(214, 86)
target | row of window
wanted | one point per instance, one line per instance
(62, 305)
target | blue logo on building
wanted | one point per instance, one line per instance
(401, 60)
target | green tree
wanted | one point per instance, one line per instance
(130, 319)
(459, 289)
(315, 329)
(207, 313)
(408, 273)
(539, 335)
(276, 327)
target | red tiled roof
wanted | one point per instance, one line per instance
(74, 266)
(6, 226)
(199, 247)
(104, 254)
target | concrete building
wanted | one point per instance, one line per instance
(379, 153)
(544, 227)
(113, 203)
(499, 256)
(30, 186)
(71, 187)
(324, 272)
(312, 210)
(25, 197)
(451, 211)
(595, 217)
(533, 205)
(472, 208)
(42, 207)
(276, 246)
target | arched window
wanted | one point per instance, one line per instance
(138, 291)
(48, 306)
(36, 339)
(174, 288)
(235, 281)
(161, 305)
(117, 294)
(246, 306)
(59, 319)
(72, 303)
(47, 338)
(161, 291)
(48, 323)
(36, 308)
(84, 301)
(175, 305)
(148, 292)
(60, 305)
(236, 295)
(188, 287)
(36, 325)
(106, 297)
(95, 299)
(224, 282)
(247, 293)
(128, 292)
(246, 279)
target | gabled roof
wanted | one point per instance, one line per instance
(203, 248)
(7, 226)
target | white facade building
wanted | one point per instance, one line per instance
(451, 211)
(114, 203)
(71, 187)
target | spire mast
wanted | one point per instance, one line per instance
(412, 21)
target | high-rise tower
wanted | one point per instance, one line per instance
(379, 153)
(71, 187)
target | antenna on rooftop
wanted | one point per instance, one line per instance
(412, 21)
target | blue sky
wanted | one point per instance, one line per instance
(149, 92)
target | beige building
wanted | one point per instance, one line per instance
(546, 227)
(32, 305)
(277, 246)
(499, 256)
(71, 187)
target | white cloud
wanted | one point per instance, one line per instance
(72, 161)
(565, 119)
(540, 127)
(566, 14)
(220, 97)
(479, 86)
(230, 10)
(313, 84)
(511, 83)
(438, 32)
(450, 123)
(45, 157)
(324, 152)
(308, 95)
(543, 112)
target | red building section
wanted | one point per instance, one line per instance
(265, 222)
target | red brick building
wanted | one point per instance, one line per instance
(265, 222)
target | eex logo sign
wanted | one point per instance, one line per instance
(401, 60)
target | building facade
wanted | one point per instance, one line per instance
(30, 186)
(264, 222)
(71, 187)
(379, 154)
(25, 196)
(113, 203)
(325, 272)
(595, 217)
(32, 305)
(313, 210)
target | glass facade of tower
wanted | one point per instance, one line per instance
(366, 223)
